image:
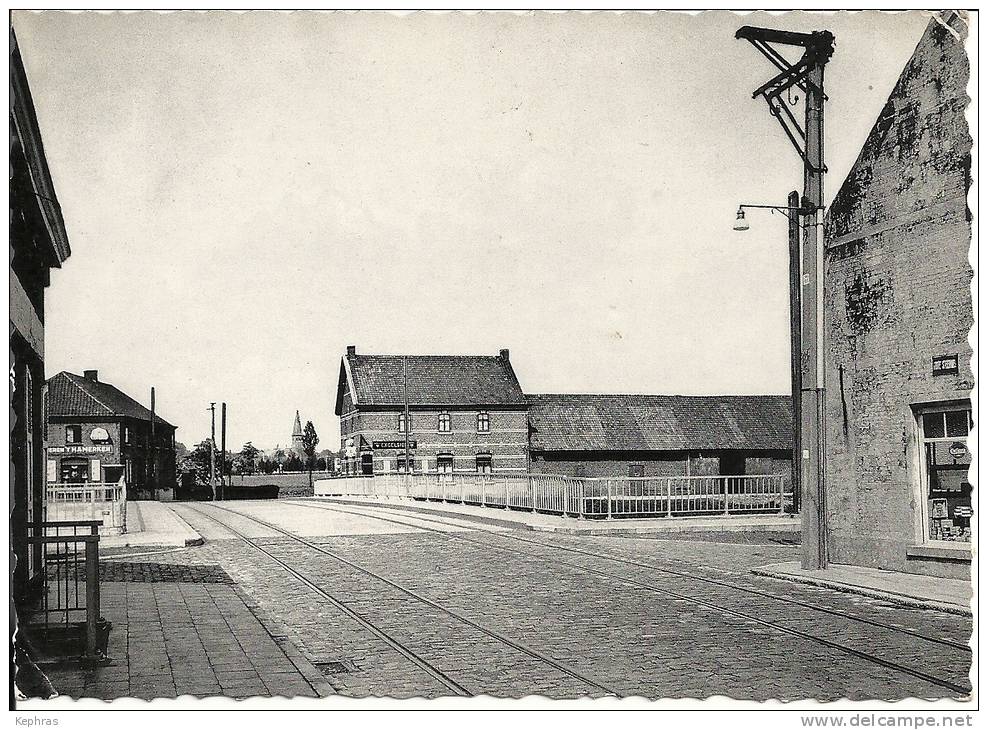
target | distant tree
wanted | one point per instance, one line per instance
(266, 466)
(248, 458)
(181, 451)
(197, 461)
(279, 459)
(293, 463)
(309, 442)
(321, 463)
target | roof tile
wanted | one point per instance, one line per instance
(452, 380)
(73, 395)
(660, 422)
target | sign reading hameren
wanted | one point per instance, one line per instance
(81, 449)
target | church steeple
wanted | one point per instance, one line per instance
(297, 434)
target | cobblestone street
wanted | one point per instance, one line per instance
(390, 603)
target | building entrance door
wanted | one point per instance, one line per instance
(444, 465)
(113, 473)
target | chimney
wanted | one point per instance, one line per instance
(351, 350)
(90, 374)
(504, 354)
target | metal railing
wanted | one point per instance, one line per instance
(65, 615)
(105, 502)
(591, 497)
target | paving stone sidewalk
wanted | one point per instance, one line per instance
(187, 630)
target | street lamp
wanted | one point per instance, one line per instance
(741, 223)
(792, 211)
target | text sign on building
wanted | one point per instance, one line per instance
(81, 449)
(393, 444)
(945, 365)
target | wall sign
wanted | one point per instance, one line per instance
(944, 365)
(957, 450)
(81, 449)
(394, 444)
(99, 434)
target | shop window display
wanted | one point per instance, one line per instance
(946, 484)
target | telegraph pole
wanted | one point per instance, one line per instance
(223, 452)
(404, 374)
(152, 450)
(212, 449)
(806, 75)
(795, 347)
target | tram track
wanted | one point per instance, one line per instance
(659, 569)
(692, 599)
(443, 677)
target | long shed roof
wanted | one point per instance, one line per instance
(660, 422)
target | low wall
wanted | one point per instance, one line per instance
(113, 514)
(290, 484)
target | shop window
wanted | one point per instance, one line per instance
(444, 424)
(73, 434)
(483, 422)
(946, 460)
(74, 471)
(405, 467)
(636, 470)
(484, 464)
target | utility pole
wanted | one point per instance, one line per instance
(223, 452)
(212, 449)
(795, 347)
(806, 75)
(152, 450)
(404, 373)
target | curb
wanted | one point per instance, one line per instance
(900, 599)
(563, 529)
(482, 519)
(278, 632)
(189, 541)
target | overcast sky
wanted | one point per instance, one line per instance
(247, 194)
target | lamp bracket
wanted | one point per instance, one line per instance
(788, 212)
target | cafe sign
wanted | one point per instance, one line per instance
(81, 449)
(393, 444)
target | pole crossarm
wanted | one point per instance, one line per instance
(817, 47)
(788, 211)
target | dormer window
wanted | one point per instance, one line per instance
(444, 425)
(483, 422)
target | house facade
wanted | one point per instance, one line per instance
(98, 434)
(454, 413)
(38, 243)
(898, 312)
(661, 435)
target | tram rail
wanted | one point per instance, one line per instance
(727, 610)
(441, 676)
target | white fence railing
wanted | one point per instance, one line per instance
(89, 501)
(600, 498)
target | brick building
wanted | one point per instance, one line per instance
(898, 312)
(38, 243)
(96, 433)
(466, 414)
(661, 435)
